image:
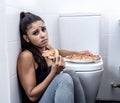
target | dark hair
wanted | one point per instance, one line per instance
(26, 19)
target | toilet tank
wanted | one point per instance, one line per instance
(80, 31)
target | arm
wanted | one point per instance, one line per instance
(68, 52)
(64, 53)
(26, 73)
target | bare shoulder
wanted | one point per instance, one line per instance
(25, 55)
(25, 60)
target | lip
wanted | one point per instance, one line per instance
(44, 41)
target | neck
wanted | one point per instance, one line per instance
(42, 49)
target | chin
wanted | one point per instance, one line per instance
(44, 45)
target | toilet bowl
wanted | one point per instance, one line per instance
(90, 77)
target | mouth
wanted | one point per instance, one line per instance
(44, 41)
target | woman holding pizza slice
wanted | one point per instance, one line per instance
(39, 74)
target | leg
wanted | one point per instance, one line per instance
(60, 90)
(78, 90)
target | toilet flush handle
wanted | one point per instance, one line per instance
(113, 85)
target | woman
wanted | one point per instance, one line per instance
(40, 78)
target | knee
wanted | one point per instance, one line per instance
(66, 79)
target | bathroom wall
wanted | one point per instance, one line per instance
(49, 11)
(10, 46)
(4, 82)
(110, 35)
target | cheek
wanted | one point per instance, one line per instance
(34, 40)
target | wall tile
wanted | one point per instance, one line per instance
(2, 25)
(13, 51)
(4, 82)
(12, 23)
(4, 75)
(14, 90)
(30, 5)
(2, 4)
(104, 45)
(114, 49)
(70, 6)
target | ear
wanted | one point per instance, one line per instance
(26, 38)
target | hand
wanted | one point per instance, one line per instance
(85, 52)
(58, 66)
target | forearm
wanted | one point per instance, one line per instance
(64, 53)
(38, 91)
(67, 52)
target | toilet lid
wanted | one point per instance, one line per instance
(85, 67)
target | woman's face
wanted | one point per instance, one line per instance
(37, 34)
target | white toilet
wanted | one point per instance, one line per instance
(81, 31)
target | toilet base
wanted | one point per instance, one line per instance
(90, 82)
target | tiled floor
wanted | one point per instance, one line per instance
(107, 101)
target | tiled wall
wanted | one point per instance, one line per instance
(49, 11)
(4, 82)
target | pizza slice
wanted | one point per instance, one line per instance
(50, 54)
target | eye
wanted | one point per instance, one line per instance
(43, 29)
(36, 32)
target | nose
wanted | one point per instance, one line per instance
(42, 34)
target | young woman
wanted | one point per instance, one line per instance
(40, 78)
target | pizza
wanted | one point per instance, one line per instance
(83, 57)
(50, 54)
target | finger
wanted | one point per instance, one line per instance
(56, 52)
(57, 60)
(63, 62)
(60, 60)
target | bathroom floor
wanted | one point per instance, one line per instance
(107, 101)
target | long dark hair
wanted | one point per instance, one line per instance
(26, 19)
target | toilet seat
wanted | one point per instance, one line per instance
(85, 67)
